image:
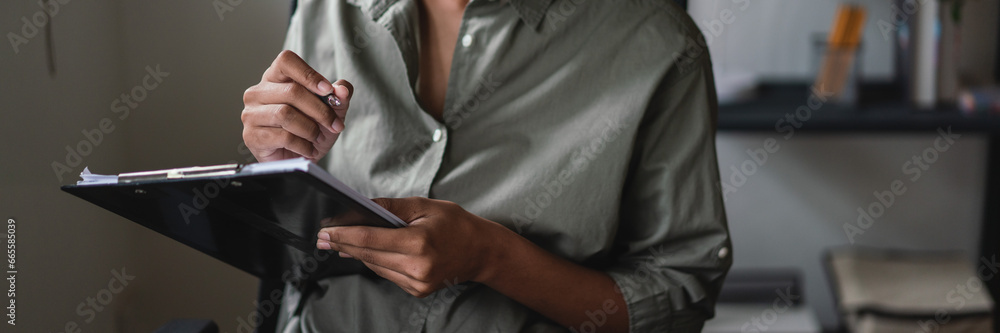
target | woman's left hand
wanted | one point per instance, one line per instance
(442, 244)
(446, 245)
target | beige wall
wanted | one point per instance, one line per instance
(195, 120)
(67, 247)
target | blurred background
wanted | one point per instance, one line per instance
(64, 75)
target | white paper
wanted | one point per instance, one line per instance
(96, 179)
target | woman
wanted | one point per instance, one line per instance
(568, 146)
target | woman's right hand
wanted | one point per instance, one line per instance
(283, 115)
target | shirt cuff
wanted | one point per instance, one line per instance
(648, 298)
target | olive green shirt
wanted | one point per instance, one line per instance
(588, 127)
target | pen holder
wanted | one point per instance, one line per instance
(838, 71)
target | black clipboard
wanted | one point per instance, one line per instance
(260, 218)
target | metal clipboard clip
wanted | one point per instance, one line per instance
(180, 173)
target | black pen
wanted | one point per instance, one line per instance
(331, 99)
(333, 102)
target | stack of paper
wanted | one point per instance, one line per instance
(94, 179)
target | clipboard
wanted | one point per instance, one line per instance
(260, 218)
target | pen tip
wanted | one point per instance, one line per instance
(332, 100)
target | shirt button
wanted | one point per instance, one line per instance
(723, 253)
(437, 135)
(467, 40)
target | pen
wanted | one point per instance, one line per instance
(331, 100)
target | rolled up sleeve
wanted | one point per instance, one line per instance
(673, 241)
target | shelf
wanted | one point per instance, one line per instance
(879, 110)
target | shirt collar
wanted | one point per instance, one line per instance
(531, 12)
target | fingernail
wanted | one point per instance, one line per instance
(324, 236)
(338, 125)
(324, 87)
(323, 245)
(332, 100)
(345, 255)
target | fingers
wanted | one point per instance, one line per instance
(265, 141)
(398, 262)
(343, 90)
(287, 99)
(403, 263)
(285, 117)
(409, 273)
(419, 289)
(289, 67)
(381, 239)
(262, 129)
(349, 89)
(396, 249)
(296, 96)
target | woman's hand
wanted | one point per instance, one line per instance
(443, 243)
(283, 116)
